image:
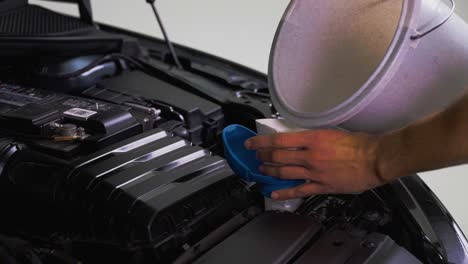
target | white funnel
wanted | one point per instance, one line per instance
(367, 65)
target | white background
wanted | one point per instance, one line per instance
(242, 31)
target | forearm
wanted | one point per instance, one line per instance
(438, 141)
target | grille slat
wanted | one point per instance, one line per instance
(36, 21)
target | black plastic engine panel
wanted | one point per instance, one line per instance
(269, 238)
(288, 238)
(143, 188)
(202, 119)
(95, 165)
(63, 124)
(152, 189)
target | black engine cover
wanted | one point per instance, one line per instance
(145, 187)
(153, 188)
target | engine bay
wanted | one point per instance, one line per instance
(132, 168)
(116, 157)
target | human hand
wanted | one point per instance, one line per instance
(330, 161)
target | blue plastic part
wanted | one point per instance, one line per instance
(244, 162)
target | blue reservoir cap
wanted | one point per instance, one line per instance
(244, 162)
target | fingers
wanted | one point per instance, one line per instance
(300, 191)
(284, 157)
(286, 172)
(279, 140)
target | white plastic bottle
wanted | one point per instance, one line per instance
(270, 126)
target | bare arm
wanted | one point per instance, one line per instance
(339, 162)
(438, 141)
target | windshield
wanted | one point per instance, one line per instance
(241, 31)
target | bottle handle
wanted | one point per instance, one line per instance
(424, 33)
